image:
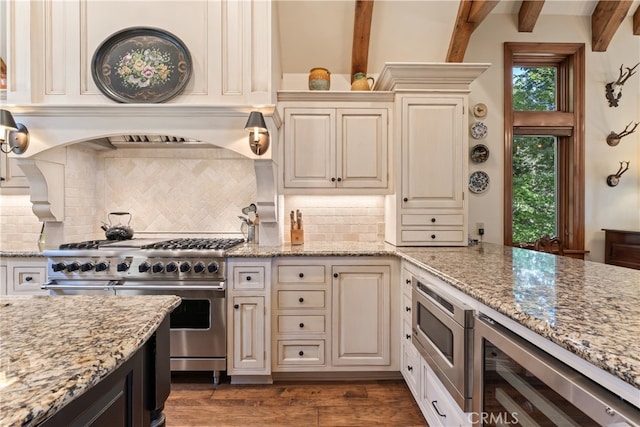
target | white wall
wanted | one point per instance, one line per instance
(605, 207)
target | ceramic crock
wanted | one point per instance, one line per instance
(319, 79)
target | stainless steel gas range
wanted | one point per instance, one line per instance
(192, 268)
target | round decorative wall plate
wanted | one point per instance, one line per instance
(479, 153)
(479, 110)
(479, 130)
(478, 182)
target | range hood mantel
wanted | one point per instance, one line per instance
(53, 126)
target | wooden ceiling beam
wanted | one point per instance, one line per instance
(361, 36)
(636, 22)
(471, 13)
(528, 15)
(605, 21)
(480, 9)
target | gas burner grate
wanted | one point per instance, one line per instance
(88, 244)
(195, 243)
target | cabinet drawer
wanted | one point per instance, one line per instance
(435, 220)
(301, 352)
(443, 411)
(301, 299)
(27, 279)
(248, 277)
(406, 306)
(411, 366)
(301, 273)
(301, 324)
(432, 236)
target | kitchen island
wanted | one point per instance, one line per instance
(584, 313)
(57, 351)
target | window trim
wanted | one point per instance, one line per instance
(568, 122)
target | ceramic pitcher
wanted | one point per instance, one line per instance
(361, 82)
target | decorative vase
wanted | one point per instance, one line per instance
(361, 82)
(319, 79)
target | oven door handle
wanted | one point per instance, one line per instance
(171, 288)
(51, 285)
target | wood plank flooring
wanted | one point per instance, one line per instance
(194, 402)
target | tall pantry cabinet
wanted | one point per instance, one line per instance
(429, 206)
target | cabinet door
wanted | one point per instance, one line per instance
(362, 148)
(433, 152)
(361, 315)
(309, 148)
(25, 276)
(249, 335)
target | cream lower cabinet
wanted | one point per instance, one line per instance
(361, 315)
(24, 276)
(249, 320)
(334, 314)
(435, 402)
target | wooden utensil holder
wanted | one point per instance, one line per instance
(297, 236)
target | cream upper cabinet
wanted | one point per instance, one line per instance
(429, 206)
(344, 148)
(335, 143)
(433, 152)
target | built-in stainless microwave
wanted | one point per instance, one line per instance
(442, 331)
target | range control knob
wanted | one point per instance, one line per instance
(158, 267)
(74, 266)
(58, 266)
(143, 267)
(102, 266)
(124, 266)
(213, 267)
(199, 267)
(87, 266)
(185, 267)
(172, 267)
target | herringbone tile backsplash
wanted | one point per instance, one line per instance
(179, 190)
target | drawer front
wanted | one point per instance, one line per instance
(301, 352)
(248, 277)
(301, 299)
(406, 306)
(28, 279)
(440, 236)
(301, 324)
(435, 220)
(301, 273)
(438, 402)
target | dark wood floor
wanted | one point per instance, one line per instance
(194, 402)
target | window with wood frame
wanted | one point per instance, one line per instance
(544, 144)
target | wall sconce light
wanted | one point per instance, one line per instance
(16, 134)
(258, 133)
(613, 138)
(614, 89)
(613, 180)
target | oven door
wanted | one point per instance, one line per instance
(198, 324)
(446, 346)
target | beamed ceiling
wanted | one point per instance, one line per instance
(605, 21)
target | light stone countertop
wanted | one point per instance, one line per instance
(588, 308)
(54, 348)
